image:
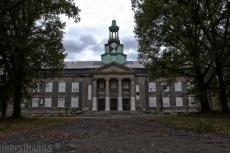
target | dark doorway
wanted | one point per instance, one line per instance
(101, 105)
(113, 104)
(126, 104)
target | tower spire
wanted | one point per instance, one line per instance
(113, 49)
(113, 31)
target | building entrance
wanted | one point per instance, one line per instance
(113, 104)
(126, 104)
(101, 105)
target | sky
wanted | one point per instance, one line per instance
(84, 41)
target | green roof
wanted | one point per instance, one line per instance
(114, 26)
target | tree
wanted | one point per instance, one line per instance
(4, 92)
(31, 33)
(176, 26)
(218, 36)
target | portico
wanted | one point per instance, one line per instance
(113, 88)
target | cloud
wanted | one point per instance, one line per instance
(87, 47)
(86, 39)
(77, 48)
(129, 43)
(72, 46)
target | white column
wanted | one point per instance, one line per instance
(133, 103)
(133, 107)
(120, 103)
(94, 105)
(107, 98)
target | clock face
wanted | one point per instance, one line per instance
(114, 45)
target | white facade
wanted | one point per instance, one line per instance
(152, 87)
(61, 102)
(178, 86)
(166, 102)
(179, 101)
(152, 102)
(48, 102)
(61, 87)
(75, 87)
(74, 102)
(49, 87)
(35, 102)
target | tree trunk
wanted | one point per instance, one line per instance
(202, 94)
(4, 108)
(203, 98)
(222, 87)
(17, 101)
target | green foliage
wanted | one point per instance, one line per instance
(31, 39)
(205, 126)
(200, 123)
(183, 38)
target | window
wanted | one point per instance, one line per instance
(178, 86)
(61, 87)
(165, 87)
(189, 86)
(48, 102)
(1, 71)
(179, 101)
(152, 102)
(137, 92)
(36, 88)
(61, 102)
(75, 87)
(101, 84)
(74, 102)
(137, 96)
(41, 101)
(89, 91)
(49, 87)
(113, 85)
(152, 87)
(137, 88)
(191, 101)
(35, 102)
(166, 102)
(125, 85)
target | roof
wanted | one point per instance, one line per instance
(97, 64)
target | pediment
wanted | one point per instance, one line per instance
(113, 68)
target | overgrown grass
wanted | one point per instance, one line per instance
(217, 123)
(23, 124)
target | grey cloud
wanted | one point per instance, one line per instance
(74, 32)
(71, 45)
(132, 55)
(130, 43)
(72, 56)
(75, 47)
(77, 40)
(87, 40)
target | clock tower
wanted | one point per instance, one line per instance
(113, 49)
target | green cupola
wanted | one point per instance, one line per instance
(113, 49)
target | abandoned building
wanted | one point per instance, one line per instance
(112, 84)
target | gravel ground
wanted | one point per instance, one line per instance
(117, 134)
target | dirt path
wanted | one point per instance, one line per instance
(119, 135)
